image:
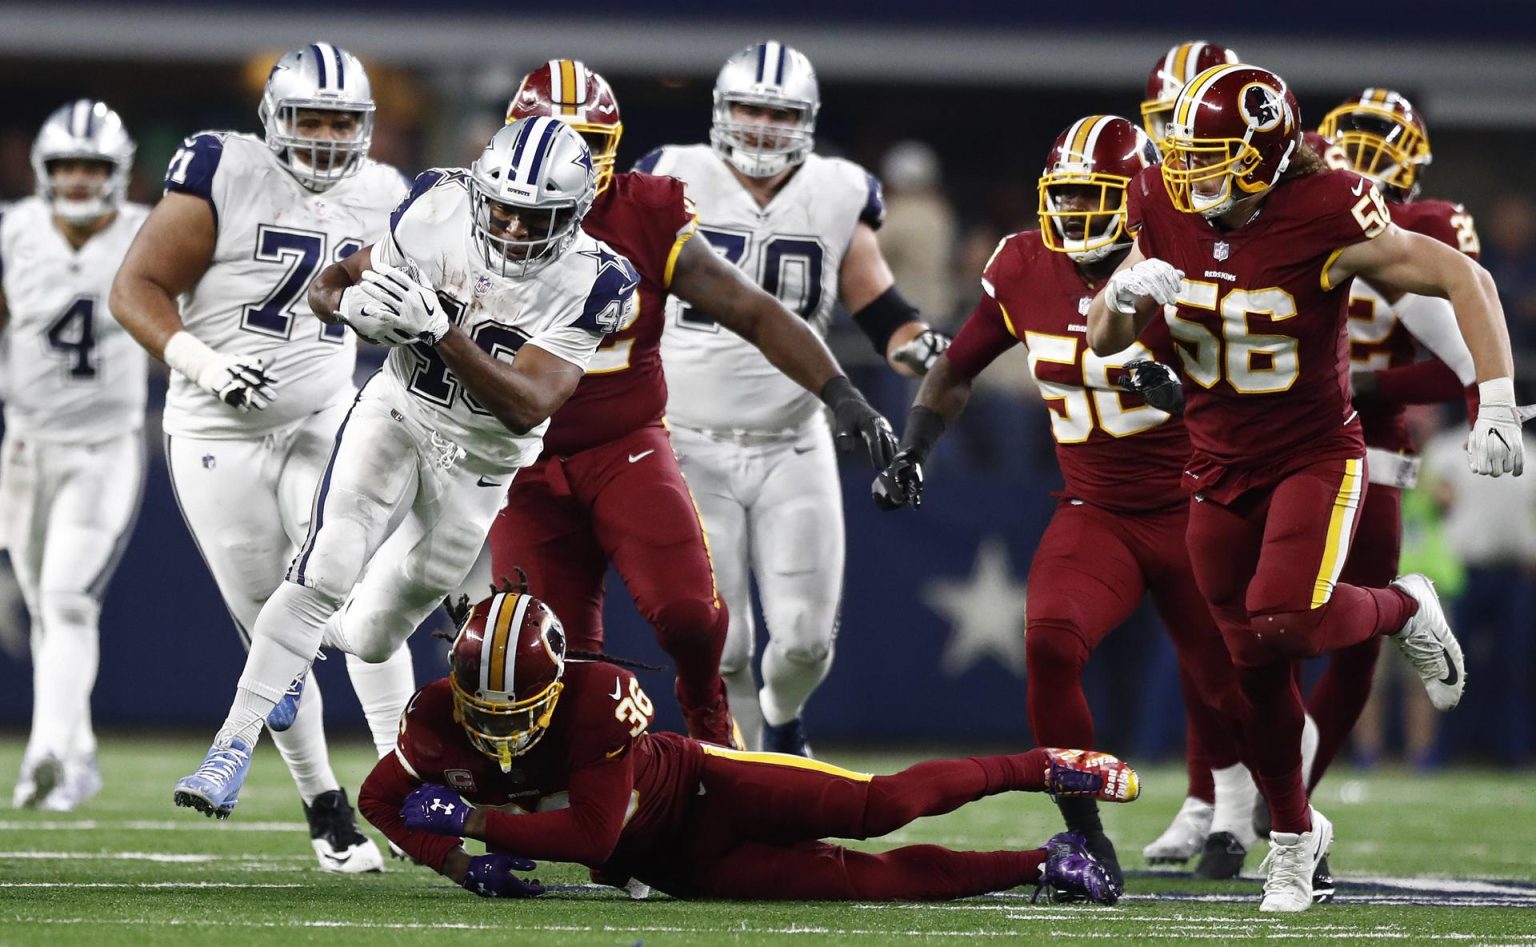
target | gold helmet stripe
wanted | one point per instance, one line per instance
(1183, 57)
(506, 617)
(1096, 126)
(1191, 94)
(565, 77)
(1077, 136)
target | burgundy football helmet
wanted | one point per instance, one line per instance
(1383, 137)
(1233, 132)
(568, 90)
(1170, 75)
(507, 658)
(1095, 158)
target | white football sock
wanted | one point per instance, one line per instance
(741, 693)
(1236, 795)
(383, 690)
(1309, 738)
(283, 645)
(65, 654)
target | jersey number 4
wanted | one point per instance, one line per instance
(790, 271)
(302, 252)
(72, 336)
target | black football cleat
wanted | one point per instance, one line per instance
(339, 845)
(786, 738)
(1322, 883)
(1223, 857)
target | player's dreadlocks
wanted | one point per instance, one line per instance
(458, 611)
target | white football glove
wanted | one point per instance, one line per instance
(410, 309)
(922, 350)
(1495, 446)
(240, 381)
(366, 317)
(1148, 278)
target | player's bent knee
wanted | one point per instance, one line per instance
(1054, 647)
(68, 608)
(805, 653)
(689, 622)
(1289, 635)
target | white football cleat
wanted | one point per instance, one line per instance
(1428, 644)
(1292, 860)
(339, 845)
(1185, 835)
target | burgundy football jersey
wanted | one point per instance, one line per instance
(1115, 451)
(1260, 332)
(596, 768)
(647, 218)
(1377, 340)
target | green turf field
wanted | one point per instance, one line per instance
(1420, 859)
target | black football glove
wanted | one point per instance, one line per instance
(855, 422)
(1156, 383)
(900, 483)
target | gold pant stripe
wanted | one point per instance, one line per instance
(784, 759)
(1340, 522)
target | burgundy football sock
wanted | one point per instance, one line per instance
(1338, 699)
(1272, 741)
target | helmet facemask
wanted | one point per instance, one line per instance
(1380, 145)
(529, 191)
(549, 231)
(83, 131)
(762, 147)
(500, 729)
(319, 161)
(82, 210)
(1086, 230)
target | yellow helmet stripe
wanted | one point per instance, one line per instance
(1192, 92)
(564, 92)
(1077, 138)
(494, 648)
(1096, 126)
(1183, 56)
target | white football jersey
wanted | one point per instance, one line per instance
(566, 309)
(274, 237)
(793, 248)
(73, 374)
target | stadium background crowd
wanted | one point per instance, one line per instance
(955, 118)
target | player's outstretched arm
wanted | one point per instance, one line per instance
(868, 290)
(521, 394)
(1415, 263)
(703, 280)
(168, 256)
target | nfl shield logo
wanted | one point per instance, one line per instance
(460, 779)
(1083, 304)
(1221, 250)
(482, 285)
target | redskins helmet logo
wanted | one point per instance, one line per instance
(1262, 107)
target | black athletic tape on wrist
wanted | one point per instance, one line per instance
(881, 318)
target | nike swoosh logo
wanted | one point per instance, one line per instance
(482, 482)
(1451, 674)
(612, 754)
(617, 690)
(340, 859)
(1359, 188)
(642, 455)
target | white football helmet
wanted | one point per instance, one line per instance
(317, 77)
(539, 170)
(769, 75)
(89, 130)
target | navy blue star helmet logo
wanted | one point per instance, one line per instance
(608, 260)
(583, 159)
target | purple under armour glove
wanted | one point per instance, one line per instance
(434, 808)
(490, 876)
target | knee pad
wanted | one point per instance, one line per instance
(1054, 647)
(809, 653)
(1288, 635)
(689, 622)
(68, 608)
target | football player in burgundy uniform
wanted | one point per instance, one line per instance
(1246, 245)
(1118, 531)
(551, 749)
(1382, 136)
(607, 487)
(1170, 74)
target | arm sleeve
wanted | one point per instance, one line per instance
(982, 338)
(1433, 323)
(585, 832)
(383, 793)
(194, 167)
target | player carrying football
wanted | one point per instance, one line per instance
(1251, 242)
(551, 749)
(607, 487)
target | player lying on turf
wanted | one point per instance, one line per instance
(545, 754)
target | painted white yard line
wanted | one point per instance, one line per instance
(142, 825)
(144, 884)
(511, 925)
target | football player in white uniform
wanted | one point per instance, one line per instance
(259, 387)
(756, 447)
(495, 300)
(72, 472)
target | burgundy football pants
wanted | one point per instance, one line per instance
(626, 502)
(755, 830)
(1268, 564)
(1089, 573)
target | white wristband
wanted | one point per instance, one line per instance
(1496, 391)
(187, 354)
